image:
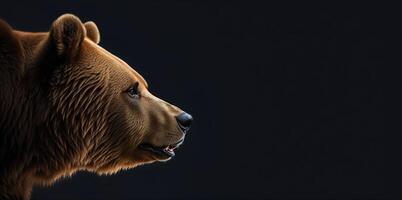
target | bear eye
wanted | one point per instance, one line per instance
(133, 91)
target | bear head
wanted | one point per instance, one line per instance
(67, 104)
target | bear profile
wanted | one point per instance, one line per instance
(67, 104)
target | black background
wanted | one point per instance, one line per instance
(291, 100)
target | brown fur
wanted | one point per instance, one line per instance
(63, 108)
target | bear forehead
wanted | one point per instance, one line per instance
(113, 62)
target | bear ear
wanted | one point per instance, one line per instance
(67, 34)
(92, 31)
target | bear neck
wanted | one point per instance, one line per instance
(14, 142)
(31, 123)
(16, 188)
(18, 141)
(23, 149)
(30, 161)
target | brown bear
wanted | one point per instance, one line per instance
(67, 104)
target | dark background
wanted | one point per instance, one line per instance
(291, 101)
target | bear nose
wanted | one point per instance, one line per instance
(184, 120)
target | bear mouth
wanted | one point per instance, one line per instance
(164, 151)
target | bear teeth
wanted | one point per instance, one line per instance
(170, 148)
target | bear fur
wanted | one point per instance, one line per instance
(67, 104)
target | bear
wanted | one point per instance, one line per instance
(67, 104)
